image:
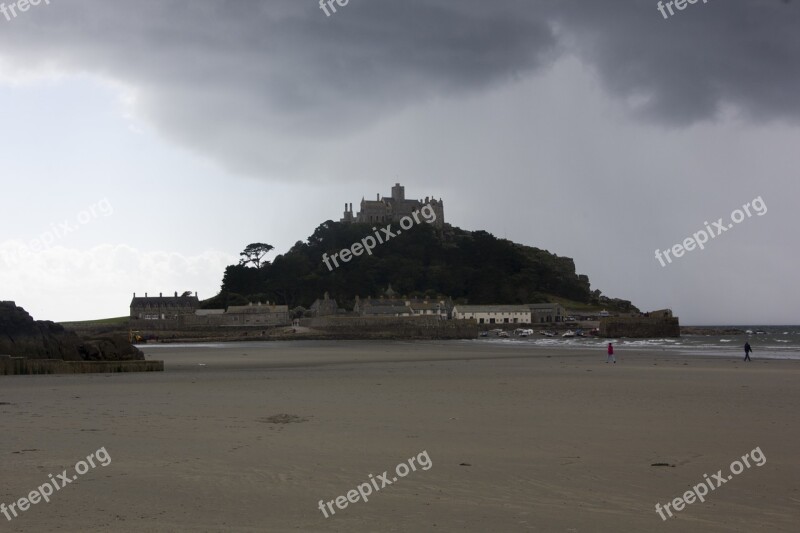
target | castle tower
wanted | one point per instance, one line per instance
(348, 214)
(398, 192)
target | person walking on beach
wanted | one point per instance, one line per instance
(611, 353)
(747, 350)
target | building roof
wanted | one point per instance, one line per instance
(383, 302)
(386, 310)
(207, 312)
(257, 309)
(542, 306)
(492, 309)
(175, 301)
(426, 305)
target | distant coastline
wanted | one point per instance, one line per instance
(288, 333)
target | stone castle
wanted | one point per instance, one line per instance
(392, 209)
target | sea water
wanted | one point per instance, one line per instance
(777, 342)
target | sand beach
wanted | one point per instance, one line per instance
(250, 437)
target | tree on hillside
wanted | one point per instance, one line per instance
(474, 267)
(240, 279)
(254, 254)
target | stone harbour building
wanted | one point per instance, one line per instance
(392, 209)
(655, 324)
(163, 307)
(180, 312)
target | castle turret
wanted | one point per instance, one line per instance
(348, 214)
(398, 192)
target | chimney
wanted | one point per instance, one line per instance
(160, 295)
(145, 295)
(134, 295)
(176, 294)
(195, 295)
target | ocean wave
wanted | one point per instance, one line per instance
(652, 342)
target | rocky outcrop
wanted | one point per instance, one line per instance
(640, 327)
(22, 336)
(17, 366)
(695, 330)
(111, 348)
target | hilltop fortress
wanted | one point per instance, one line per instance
(392, 209)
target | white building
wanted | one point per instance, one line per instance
(494, 314)
(428, 308)
(547, 313)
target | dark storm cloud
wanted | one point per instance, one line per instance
(741, 53)
(220, 75)
(245, 60)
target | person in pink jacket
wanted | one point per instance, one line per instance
(611, 354)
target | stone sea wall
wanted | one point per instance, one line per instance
(10, 366)
(418, 327)
(640, 327)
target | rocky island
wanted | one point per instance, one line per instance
(28, 346)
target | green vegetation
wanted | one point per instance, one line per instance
(119, 321)
(471, 267)
(254, 254)
(597, 303)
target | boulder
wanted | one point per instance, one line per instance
(22, 336)
(111, 348)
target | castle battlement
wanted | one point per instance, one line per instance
(392, 208)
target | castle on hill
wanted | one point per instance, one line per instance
(392, 209)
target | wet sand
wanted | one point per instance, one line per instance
(520, 439)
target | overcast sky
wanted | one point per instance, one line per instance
(150, 141)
